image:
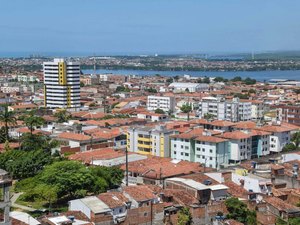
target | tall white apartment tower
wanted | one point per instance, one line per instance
(61, 84)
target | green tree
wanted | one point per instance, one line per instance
(6, 146)
(235, 79)
(2, 135)
(186, 108)
(151, 90)
(208, 116)
(289, 147)
(169, 80)
(47, 193)
(113, 175)
(38, 142)
(159, 111)
(296, 139)
(238, 210)
(249, 81)
(122, 89)
(220, 79)
(71, 179)
(33, 121)
(81, 84)
(291, 221)
(8, 118)
(176, 78)
(23, 164)
(62, 116)
(206, 80)
(185, 216)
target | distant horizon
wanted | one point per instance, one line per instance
(27, 54)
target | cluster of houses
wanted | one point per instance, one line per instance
(223, 146)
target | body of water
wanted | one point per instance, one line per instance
(258, 75)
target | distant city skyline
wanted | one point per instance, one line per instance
(147, 27)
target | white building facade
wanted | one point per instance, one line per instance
(190, 87)
(233, 111)
(61, 84)
(206, 150)
(166, 104)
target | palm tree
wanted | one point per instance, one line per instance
(33, 121)
(186, 108)
(8, 118)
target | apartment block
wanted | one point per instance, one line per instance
(149, 141)
(166, 104)
(222, 109)
(61, 84)
(202, 148)
(288, 113)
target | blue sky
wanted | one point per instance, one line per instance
(149, 26)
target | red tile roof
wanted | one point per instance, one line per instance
(139, 193)
(113, 199)
(280, 204)
(74, 136)
(101, 154)
(157, 167)
(236, 135)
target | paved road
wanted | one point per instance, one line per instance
(15, 205)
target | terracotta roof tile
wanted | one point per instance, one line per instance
(139, 193)
(113, 199)
(74, 136)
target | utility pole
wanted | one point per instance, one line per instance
(126, 173)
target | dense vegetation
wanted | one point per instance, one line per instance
(238, 210)
(68, 180)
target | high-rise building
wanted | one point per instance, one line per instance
(61, 84)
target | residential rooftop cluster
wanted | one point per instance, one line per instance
(185, 145)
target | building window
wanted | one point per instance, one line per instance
(181, 146)
(174, 145)
(181, 153)
(186, 154)
(210, 151)
(210, 158)
(186, 147)
(174, 152)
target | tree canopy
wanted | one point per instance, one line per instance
(185, 217)
(68, 180)
(296, 138)
(7, 118)
(238, 211)
(62, 116)
(186, 108)
(159, 111)
(23, 164)
(33, 121)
